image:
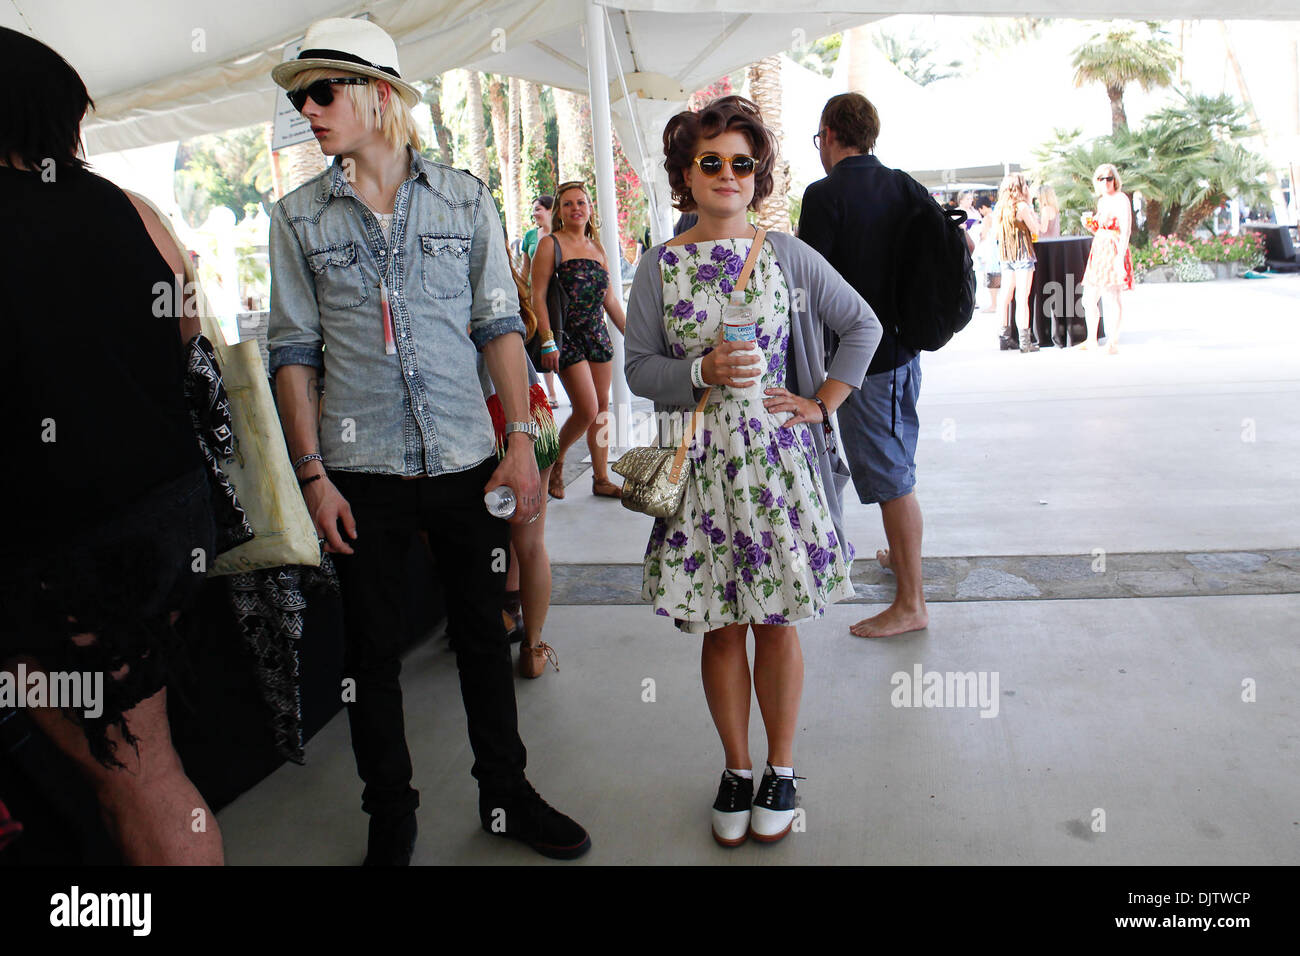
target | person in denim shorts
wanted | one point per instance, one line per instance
(1015, 225)
(852, 217)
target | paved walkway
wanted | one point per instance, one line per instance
(1140, 711)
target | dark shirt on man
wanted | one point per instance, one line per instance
(852, 217)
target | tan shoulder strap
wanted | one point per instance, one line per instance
(679, 460)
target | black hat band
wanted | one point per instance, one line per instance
(347, 57)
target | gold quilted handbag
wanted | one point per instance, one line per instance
(652, 476)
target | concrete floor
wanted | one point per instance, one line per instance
(1129, 706)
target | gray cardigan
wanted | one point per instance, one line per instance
(819, 296)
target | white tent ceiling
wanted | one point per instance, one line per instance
(167, 70)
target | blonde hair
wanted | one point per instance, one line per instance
(557, 222)
(1108, 169)
(1047, 199)
(1013, 235)
(396, 124)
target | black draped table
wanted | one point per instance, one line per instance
(1055, 296)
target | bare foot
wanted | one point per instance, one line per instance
(883, 558)
(891, 621)
(1113, 348)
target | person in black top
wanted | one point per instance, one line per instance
(851, 217)
(109, 525)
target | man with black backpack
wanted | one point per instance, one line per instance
(892, 242)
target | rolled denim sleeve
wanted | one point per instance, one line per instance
(496, 300)
(293, 327)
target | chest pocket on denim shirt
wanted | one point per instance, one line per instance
(339, 281)
(446, 265)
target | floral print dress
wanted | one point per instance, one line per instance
(754, 541)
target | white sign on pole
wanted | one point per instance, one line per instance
(291, 128)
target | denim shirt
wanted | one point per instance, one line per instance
(450, 291)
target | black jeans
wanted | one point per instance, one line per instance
(470, 548)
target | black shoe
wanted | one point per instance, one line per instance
(392, 840)
(731, 809)
(1005, 341)
(524, 816)
(774, 807)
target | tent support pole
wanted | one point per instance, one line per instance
(606, 201)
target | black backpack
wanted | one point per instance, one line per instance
(934, 282)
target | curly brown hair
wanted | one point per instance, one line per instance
(684, 131)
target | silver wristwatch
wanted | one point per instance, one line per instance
(531, 429)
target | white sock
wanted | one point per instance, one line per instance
(786, 772)
(743, 774)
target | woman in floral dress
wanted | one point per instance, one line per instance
(757, 544)
(1110, 266)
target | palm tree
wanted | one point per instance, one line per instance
(1120, 57)
(538, 170)
(914, 58)
(476, 133)
(573, 114)
(443, 146)
(765, 91)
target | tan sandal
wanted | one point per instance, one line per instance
(605, 488)
(555, 487)
(532, 659)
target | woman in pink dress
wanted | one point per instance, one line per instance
(1110, 266)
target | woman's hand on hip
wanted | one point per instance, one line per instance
(783, 400)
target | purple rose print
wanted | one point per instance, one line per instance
(806, 438)
(853, 552)
(741, 540)
(657, 532)
(717, 536)
(724, 286)
(706, 273)
(793, 514)
(775, 619)
(748, 575)
(818, 558)
(702, 315)
(766, 537)
(733, 264)
(755, 555)
(774, 362)
(677, 541)
(785, 438)
(708, 438)
(763, 341)
(661, 612)
(678, 350)
(720, 252)
(756, 426)
(691, 248)
(731, 467)
(706, 522)
(780, 502)
(830, 540)
(765, 499)
(691, 565)
(683, 308)
(737, 557)
(772, 457)
(670, 257)
(729, 592)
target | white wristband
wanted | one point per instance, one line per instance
(697, 373)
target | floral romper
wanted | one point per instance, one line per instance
(754, 541)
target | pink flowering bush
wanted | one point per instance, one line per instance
(1247, 248)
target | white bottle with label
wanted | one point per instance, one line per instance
(740, 324)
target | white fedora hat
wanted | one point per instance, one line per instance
(357, 46)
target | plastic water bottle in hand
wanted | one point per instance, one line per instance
(500, 501)
(740, 324)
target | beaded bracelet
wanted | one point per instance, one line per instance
(826, 423)
(306, 458)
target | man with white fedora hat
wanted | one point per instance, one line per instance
(389, 275)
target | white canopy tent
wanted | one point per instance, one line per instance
(166, 71)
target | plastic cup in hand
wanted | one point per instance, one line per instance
(500, 501)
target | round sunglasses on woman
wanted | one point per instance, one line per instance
(710, 164)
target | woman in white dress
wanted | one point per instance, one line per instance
(758, 544)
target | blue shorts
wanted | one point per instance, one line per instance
(883, 464)
(1018, 265)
